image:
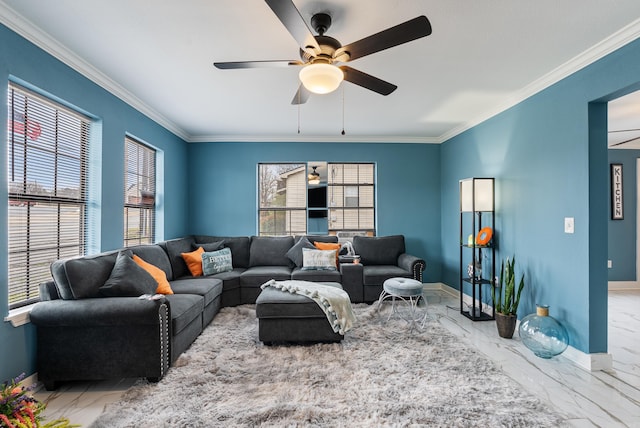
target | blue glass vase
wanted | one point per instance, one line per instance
(543, 334)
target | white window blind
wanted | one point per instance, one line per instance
(139, 193)
(282, 198)
(351, 189)
(47, 171)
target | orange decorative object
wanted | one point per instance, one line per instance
(484, 236)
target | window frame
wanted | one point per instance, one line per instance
(144, 200)
(287, 211)
(335, 207)
(40, 127)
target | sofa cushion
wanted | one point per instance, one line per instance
(318, 259)
(295, 253)
(216, 262)
(174, 248)
(127, 279)
(184, 309)
(82, 277)
(209, 288)
(239, 247)
(316, 275)
(270, 251)
(230, 280)
(321, 238)
(379, 250)
(59, 275)
(162, 284)
(156, 255)
(377, 274)
(209, 246)
(256, 276)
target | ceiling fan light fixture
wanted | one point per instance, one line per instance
(314, 176)
(321, 78)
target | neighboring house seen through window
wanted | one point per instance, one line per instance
(47, 170)
(139, 193)
(282, 199)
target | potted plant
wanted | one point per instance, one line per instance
(18, 408)
(506, 299)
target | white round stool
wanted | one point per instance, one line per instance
(408, 291)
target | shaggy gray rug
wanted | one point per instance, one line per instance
(378, 376)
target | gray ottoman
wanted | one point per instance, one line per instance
(287, 317)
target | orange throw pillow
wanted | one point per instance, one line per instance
(329, 246)
(157, 274)
(194, 261)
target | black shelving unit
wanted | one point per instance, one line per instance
(475, 214)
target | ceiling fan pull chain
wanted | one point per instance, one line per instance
(298, 112)
(343, 110)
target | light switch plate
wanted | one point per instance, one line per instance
(568, 225)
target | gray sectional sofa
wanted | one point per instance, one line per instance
(83, 335)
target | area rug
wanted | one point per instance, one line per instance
(380, 375)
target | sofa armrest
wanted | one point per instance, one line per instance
(352, 281)
(102, 338)
(413, 264)
(48, 291)
(106, 311)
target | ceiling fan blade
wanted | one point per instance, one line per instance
(291, 18)
(301, 96)
(367, 81)
(256, 64)
(394, 36)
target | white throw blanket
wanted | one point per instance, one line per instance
(333, 301)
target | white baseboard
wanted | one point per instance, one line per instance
(624, 285)
(590, 362)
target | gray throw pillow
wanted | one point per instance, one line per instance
(209, 246)
(127, 279)
(295, 253)
(216, 262)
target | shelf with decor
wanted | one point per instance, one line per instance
(477, 247)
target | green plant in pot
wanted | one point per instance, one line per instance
(506, 299)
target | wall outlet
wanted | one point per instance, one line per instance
(609, 264)
(568, 225)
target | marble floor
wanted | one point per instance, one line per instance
(598, 399)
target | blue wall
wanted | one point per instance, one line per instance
(622, 233)
(223, 188)
(549, 157)
(22, 60)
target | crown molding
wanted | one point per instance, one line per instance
(617, 40)
(312, 139)
(17, 23)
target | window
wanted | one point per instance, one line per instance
(351, 197)
(47, 179)
(139, 193)
(282, 205)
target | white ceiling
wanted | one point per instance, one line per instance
(624, 122)
(481, 58)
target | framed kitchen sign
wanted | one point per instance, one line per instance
(617, 206)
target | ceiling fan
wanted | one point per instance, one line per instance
(320, 54)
